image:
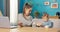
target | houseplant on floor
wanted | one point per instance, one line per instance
(36, 14)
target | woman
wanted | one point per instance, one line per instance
(25, 19)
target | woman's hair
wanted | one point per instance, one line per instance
(47, 15)
(26, 6)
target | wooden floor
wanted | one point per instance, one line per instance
(4, 30)
(30, 29)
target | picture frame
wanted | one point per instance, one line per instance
(46, 3)
(54, 5)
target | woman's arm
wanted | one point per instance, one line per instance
(20, 24)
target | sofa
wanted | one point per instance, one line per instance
(56, 22)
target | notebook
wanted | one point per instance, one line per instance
(4, 22)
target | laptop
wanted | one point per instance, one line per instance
(4, 22)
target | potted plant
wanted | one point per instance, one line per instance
(36, 14)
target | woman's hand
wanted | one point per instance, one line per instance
(38, 24)
(41, 25)
(20, 24)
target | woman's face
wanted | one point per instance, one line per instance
(28, 11)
